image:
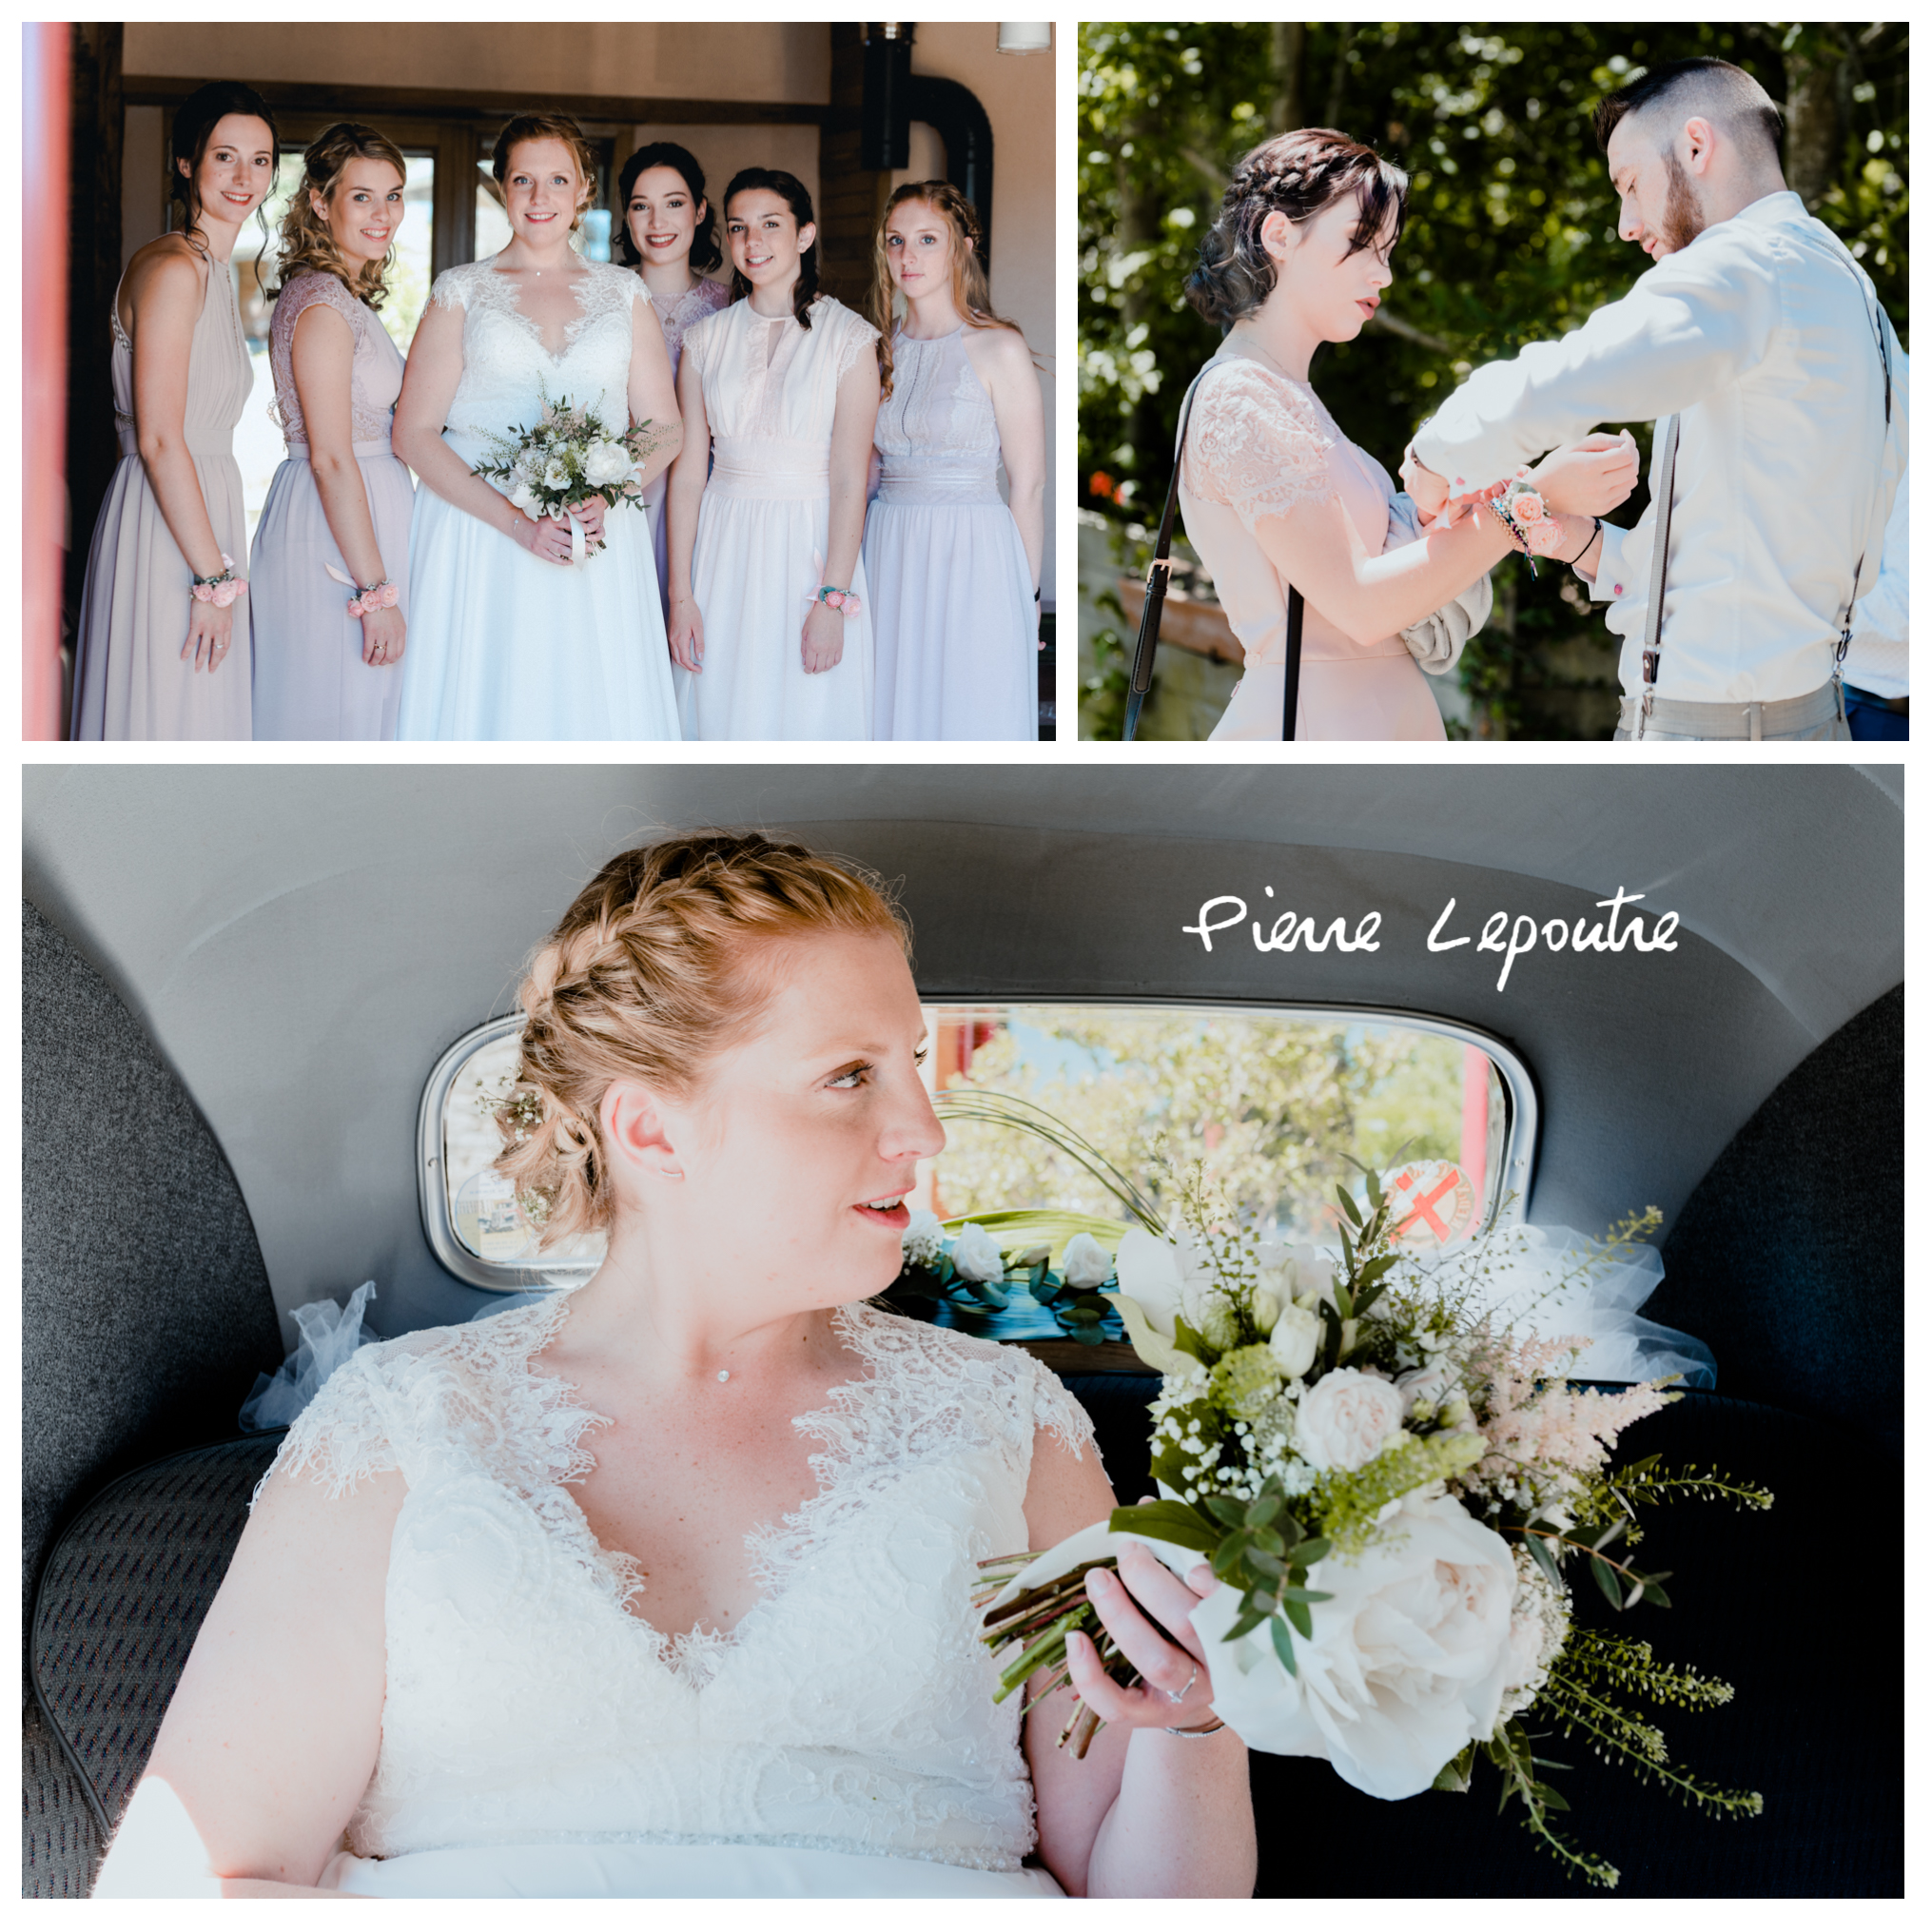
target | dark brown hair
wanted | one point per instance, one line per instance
(705, 252)
(1299, 174)
(195, 122)
(798, 199)
(1740, 103)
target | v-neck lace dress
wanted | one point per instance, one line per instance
(503, 644)
(540, 1738)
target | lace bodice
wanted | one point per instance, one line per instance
(850, 1709)
(507, 370)
(1255, 443)
(375, 376)
(770, 387)
(936, 434)
(702, 298)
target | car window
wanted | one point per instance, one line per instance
(1269, 1107)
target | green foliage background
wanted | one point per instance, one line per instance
(1511, 237)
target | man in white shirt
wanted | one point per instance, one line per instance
(1779, 385)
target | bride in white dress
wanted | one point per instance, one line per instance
(508, 638)
(770, 617)
(434, 1670)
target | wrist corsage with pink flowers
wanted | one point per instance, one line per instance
(222, 589)
(845, 602)
(1529, 519)
(380, 595)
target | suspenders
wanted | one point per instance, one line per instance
(1667, 472)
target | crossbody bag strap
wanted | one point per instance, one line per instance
(1140, 673)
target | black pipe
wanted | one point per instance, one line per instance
(961, 124)
(885, 114)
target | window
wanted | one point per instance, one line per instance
(1272, 1103)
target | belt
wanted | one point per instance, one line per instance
(1756, 719)
(378, 446)
(977, 485)
(1890, 704)
(771, 469)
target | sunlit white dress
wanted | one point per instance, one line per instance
(954, 625)
(704, 298)
(540, 1738)
(1259, 443)
(503, 644)
(770, 391)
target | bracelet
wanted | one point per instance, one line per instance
(1197, 1730)
(1508, 522)
(380, 595)
(1595, 525)
(221, 590)
(843, 601)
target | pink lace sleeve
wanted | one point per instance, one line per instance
(1254, 444)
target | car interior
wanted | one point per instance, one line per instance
(241, 981)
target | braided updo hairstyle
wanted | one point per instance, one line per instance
(648, 976)
(1299, 174)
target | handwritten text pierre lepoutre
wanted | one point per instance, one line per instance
(1291, 931)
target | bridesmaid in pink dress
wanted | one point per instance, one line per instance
(1272, 493)
(153, 661)
(670, 235)
(331, 589)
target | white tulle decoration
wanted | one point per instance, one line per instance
(330, 1335)
(1554, 1283)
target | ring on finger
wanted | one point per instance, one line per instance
(1180, 1696)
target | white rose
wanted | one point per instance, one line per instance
(1406, 1665)
(607, 462)
(1164, 1275)
(1085, 1263)
(1293, 1274)
(920, 1243)
(1347, 1418)
(976, 1254)
(556, 476)
(1296, 1337)
(1427, 1387)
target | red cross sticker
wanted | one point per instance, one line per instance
(1433, 1200)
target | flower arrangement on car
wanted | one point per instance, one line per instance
(568, 457)
(1393, 1489)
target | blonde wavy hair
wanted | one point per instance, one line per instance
(651, 974)
(971, 295)
(522, 128)
(306, 242)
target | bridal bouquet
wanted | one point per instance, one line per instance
(1395, 1493)
(569, 457)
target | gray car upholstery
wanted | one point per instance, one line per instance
(144, 1306)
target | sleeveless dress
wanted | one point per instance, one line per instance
(706, 298)
(1260, 442)
(503, 644)
(541, 1740)
(770, 390)
(130, 678)
(310, 679)
(955, 629)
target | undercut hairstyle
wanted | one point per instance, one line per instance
(797, 198)
(705, 252)
(1725, 95)
(1298, 175)
(662, 963)
(307, 239)
(195, 122)
(522, 128)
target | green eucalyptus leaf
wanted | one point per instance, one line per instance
(1265, 1508)
(1545, 1559)
(1310, 1552)
(1284, 1646)
(1297, 1614)
(1228, 1509)
(1606, 1581)
(1167, 1522)
(1268, 1563)
(1349, 1208)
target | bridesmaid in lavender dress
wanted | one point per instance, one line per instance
(954, 569)
(669, 235)
(151, 659)
(331, 587)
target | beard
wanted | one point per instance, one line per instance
(1683, 212)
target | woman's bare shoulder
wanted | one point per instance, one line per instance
(168, 267)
